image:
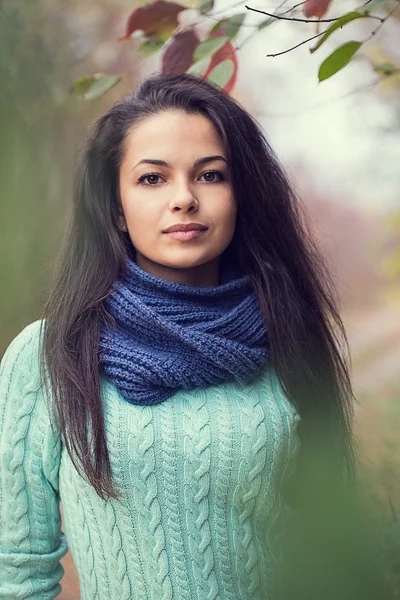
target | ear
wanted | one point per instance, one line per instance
(122, 223)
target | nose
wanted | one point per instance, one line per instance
(183, 199)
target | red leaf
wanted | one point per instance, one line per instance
(158, 20)
(227, 51)
(178, 55)
(315, 8)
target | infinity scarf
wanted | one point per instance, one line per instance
(169, 336)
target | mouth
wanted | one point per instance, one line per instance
(185, 232)
(185, 236)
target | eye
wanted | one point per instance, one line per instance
(150, 177)
(213, 176)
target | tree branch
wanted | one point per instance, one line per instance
(297, 5)
(297, 45)
(377, 28)
(258, 31)
(281, 17)
(212, 18)
(234, 6)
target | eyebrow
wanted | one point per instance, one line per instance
(197, 163)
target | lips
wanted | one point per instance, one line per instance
(185, 227)
(186, 236)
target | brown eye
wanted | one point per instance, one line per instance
(151, 178)
(213, 176)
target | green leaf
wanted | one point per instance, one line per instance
(222, 73)
(101, 85)
(82, 85)
(206, 6)
(386, 69)
(209, 47)
(229, 27)
(337, 60)
(266, 23)
(149, 47)
(199, 67)
(93, 86)
(338, 24)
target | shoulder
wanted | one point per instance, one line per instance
(22, 405)
(21, 357)
(29, 444)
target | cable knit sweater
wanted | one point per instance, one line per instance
(201, 472)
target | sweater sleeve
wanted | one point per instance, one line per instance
(31, 540)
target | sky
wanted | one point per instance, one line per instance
(335, 131)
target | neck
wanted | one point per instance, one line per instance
(205, 275)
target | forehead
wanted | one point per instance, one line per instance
(173, 132)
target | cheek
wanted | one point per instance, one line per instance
(142, 227)
(139, 212)
(226, 215)
(141, 224)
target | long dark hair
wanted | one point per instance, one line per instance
(272, 244)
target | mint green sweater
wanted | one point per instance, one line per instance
(201, 473)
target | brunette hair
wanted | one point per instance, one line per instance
(272, 244)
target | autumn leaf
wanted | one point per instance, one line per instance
(199, 68)
(224, 76)
(209, 47)
(315, 8)
(214, 58)
(229, 27)
(227, 52)
(178, 55)
(158, 20)
(222, 73)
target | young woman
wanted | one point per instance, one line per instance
(189, 348)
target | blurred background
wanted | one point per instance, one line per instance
(339, 141)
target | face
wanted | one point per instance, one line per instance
(175, 171)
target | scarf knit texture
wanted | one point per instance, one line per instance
(170, 336)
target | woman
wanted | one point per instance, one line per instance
(190, 342)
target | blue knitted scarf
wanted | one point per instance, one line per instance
(169, 336)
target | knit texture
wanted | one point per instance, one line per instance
(170, 336)
(201, 474)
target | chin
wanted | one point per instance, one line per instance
(183, 260)
(185, 264)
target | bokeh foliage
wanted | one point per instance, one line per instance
(38, 131)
